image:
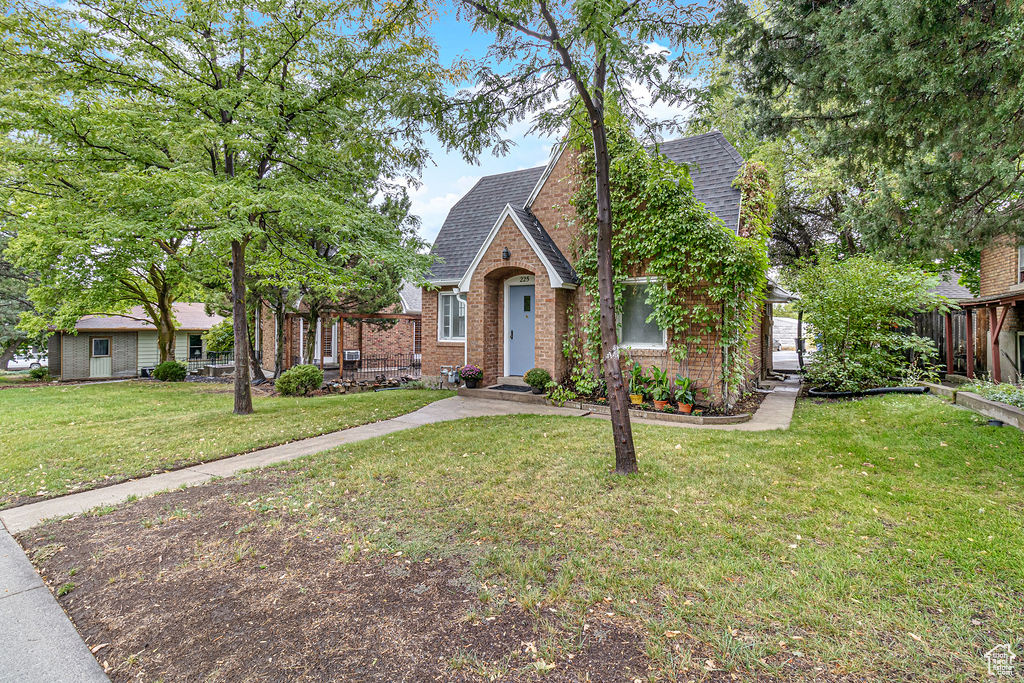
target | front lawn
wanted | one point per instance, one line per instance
(874, 540)
(15, 377)
(55, 440)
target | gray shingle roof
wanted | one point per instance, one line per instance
(473, 216)
(949, 286)
(713, 165)
(547, 245)
(412, 298)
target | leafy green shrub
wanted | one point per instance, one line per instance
(220, 338)
(559, 394)
(41, 374)
(860, 309)
(416, 384)
(1010, 394)
(170, 371)
(300, 379)
(538, 378)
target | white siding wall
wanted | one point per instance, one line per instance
(149, 350)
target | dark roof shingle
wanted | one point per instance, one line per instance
(547, 245)
(473, 216)
(713, 165)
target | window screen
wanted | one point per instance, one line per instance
(100, 347)
(634, 326)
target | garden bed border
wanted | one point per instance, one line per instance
(597, 409)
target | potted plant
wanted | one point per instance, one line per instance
(684, 394)
(471, 375)
(659, 388)
(538, 379)
(637, 384)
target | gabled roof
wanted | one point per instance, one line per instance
(713, 165)
(189, 316)
(471, 219)
(412, 298)
(560, 273)
(949, 286)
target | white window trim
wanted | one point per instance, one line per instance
(526, 281)
(440, 317)
(663, 346)
(1020, 264)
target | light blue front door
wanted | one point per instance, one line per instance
(521, 315)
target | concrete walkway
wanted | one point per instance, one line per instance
(25, 517)
(37, 640)
(775, 412)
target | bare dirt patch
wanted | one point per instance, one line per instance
(196, 585)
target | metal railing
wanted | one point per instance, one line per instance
(215, 359)
(382, 366)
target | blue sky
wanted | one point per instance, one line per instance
(449, 177)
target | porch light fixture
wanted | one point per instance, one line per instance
(506, 254)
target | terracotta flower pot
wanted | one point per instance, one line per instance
(686, 408)
(636, 399)
(658, 405)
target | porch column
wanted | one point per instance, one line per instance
(949, 343)
(970, 343)
(995, 327)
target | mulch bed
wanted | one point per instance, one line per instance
(748, 403)
(191, 585)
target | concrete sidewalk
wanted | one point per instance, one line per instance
(38, 643)
(27, 516)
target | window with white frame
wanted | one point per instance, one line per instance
(634, 329)
(1020, 265)
(451, 316)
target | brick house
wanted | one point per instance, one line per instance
(996, 323)
(353, 337)
(503, 288)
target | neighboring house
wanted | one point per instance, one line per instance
(503, 287)
(108, 346)
(356, 338)
(996, 326)
(948, 331)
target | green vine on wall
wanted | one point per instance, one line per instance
(713, 280)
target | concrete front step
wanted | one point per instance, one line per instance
(512, 380)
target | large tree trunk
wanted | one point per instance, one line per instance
(254, 358)
(311, 320)
(165, 328)
(7, 355)
(618, 400)
(243, 391)
(280, 317)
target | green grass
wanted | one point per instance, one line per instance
(54, 440)
(15, 377)
(878, 538)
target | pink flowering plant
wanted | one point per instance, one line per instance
(471, 372)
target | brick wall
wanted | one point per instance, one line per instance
(999, 267)
(437, 353)
(485, 326)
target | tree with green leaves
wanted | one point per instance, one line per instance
(14, 302)
(925, 101)
(860, 308)
(246, 122)
(551, 57)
